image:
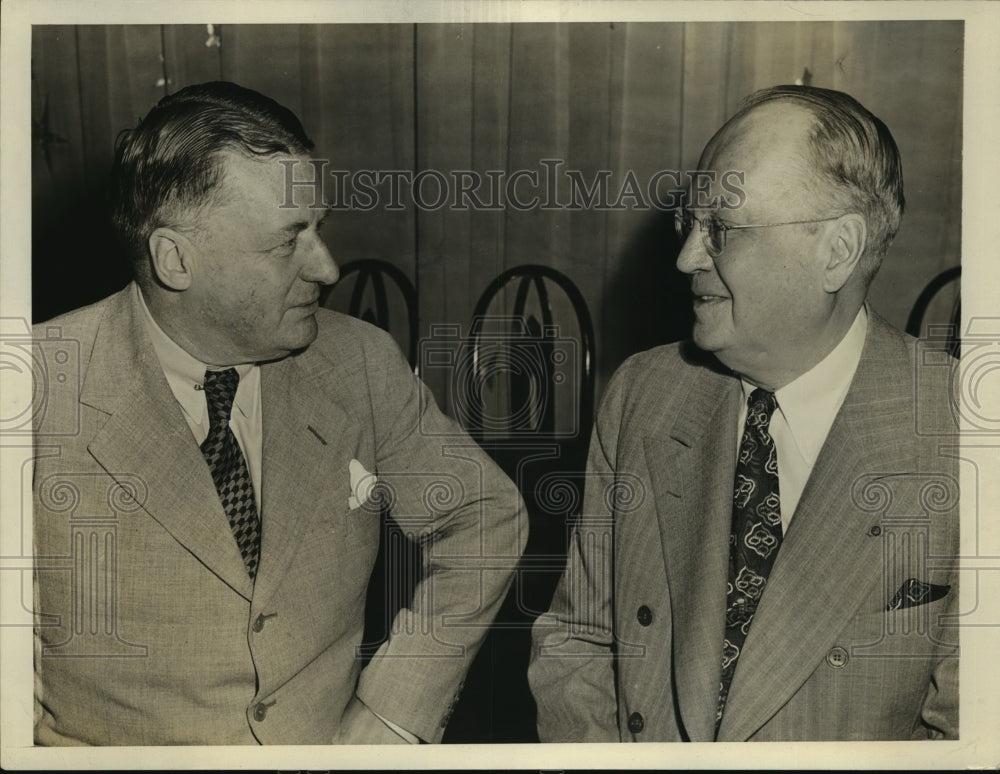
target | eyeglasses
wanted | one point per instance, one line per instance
(713, 230)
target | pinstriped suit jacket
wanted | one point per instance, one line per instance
(631, 649)
(150, 631)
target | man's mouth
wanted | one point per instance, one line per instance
(708, 297)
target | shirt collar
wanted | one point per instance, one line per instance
(810, 403)
(185, 373)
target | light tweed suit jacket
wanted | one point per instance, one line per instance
(149, 628)
(632, 647)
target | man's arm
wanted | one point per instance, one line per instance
(468, 518)
(939, 714)
(572, 662)
(359, 725)
(940, 711)
(935, 396)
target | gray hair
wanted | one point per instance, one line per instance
(855, 154)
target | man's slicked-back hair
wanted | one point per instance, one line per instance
(855, 154)
(169, 165)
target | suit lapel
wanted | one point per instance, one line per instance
(309, 441)
(827, 564)
(691, 472)
(146, 435)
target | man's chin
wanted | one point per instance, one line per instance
(305, 334)
(294, 340)
(706, 337)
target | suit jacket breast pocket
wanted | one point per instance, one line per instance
(909, 625)
(914, 592)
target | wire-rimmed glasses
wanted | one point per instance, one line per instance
(713, 230)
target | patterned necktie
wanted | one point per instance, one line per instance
(229, 469)
(756, 532)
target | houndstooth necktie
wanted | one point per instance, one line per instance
(229, 468)
(756, 532)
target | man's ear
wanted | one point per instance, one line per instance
(171, 254)
(847, 244)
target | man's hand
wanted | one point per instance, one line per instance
(359, 725)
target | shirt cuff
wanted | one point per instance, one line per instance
(411, 738)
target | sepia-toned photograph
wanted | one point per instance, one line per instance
(521, 385)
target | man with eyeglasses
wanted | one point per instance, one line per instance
(768, 544)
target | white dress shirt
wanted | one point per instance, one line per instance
(806, 409)
(186, 375)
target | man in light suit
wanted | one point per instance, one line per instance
(769, 541)
(211, 464)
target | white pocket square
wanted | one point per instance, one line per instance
(362, 484)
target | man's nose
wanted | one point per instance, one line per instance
(693, 255)
(319, 265)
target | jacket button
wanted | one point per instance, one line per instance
(837, 658)
(258, 624)
(636, 723)
(645, 616)
(260, 712)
